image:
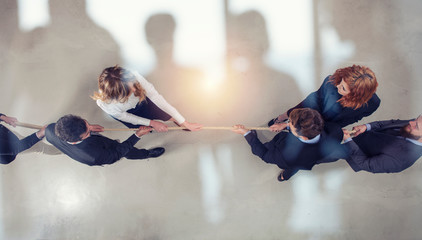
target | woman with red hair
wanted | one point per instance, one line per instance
(344, 97)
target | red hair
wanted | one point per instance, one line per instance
(362, 84)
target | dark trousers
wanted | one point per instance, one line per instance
(137, 154)
(10, 145)
(146, 109)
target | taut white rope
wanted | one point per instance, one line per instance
(33, 126)
(182, 128)
(28, 125)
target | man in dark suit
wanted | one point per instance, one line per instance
(385, 146)
(10, 144)
(78, 139)
(308, 142)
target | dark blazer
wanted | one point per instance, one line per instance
(95, 150)
(324, 100)
(377, 151)
(288, 152)
(10, 145)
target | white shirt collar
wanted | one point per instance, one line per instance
(311, 141)
(414, 141)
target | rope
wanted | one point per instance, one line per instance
(182, 128)
(28, 125)
(33, 126)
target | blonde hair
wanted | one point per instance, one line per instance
(114, 85)
(361, 81)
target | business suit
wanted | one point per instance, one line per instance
(10, 145)
(289, 153)
(324, 100)
(379, 151)
(97, 149)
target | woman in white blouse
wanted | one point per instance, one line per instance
(132, 100)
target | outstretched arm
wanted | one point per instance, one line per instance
(14, 145)
(158, 99)
(111, 155)
(267, 153)
(393, 122)
(9, 120)
(381, 163)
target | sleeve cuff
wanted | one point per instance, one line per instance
(40, 138)
(180, 119)
(246, 133)
(368, 127)
(148, 123)
(137, 136)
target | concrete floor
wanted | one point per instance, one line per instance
(207, 185)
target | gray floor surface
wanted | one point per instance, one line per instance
(207, 185)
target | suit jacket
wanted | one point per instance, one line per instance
(10, 145)
(378, 152)
(288, 152)
(94, 150)
(324, 100)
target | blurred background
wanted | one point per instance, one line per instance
(219, 63)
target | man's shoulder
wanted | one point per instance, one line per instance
(98, 137)
(332, 130)
(51, 126)
(288, 140)
(50, 131)
(328, 91)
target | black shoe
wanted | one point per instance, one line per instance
(286, 174)
(155, 152)
(280, 177)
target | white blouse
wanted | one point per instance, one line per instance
(119, 110)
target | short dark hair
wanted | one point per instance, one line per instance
(70, 128)
(308, 122)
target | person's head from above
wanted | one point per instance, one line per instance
(71, 128)
(413, 130)
(117, 84)
(356, 84)
(305, 123)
